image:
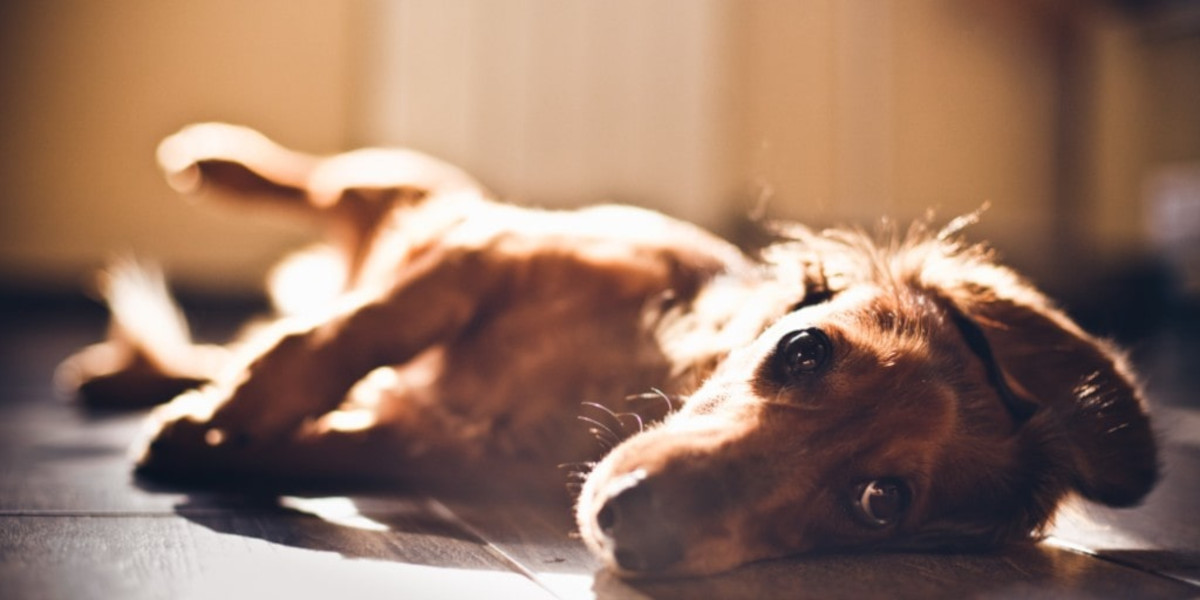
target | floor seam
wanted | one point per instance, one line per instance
(507, 558)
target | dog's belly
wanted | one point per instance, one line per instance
(516, 385)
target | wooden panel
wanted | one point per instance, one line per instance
(1029, 572)
(543, 539)
(244, 556)
(1161, 534)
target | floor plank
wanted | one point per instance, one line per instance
(53, 458)
(1022, 572)
(542, 538)
(1161, 535)
(242, 556)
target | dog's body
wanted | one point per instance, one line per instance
(833, 393)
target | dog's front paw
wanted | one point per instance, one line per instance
(289, 384)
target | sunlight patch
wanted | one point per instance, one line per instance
(322, 575)
(337, 510)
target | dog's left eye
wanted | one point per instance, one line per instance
(804, 351)
(881, 502)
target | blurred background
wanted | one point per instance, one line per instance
(1077, 121)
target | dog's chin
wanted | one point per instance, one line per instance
(680, 571)
(699, 562)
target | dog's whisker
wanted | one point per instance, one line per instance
(608, 411)
(602, 434)
(582, 464)
(601, 428)
(655, 394)
(606, 444)
(578, 471)
(641, 423)
(665, 397)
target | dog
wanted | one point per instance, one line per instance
(833, 390)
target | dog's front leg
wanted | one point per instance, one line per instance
(307, 370)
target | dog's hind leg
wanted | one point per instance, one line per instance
(149, 356)
(385, 432)
(345, 445)
(305, 370)
(349, 195)
(237, 163)
(382, 432)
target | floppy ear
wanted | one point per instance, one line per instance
(1085, 416)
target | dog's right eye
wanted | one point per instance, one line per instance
(804, 351)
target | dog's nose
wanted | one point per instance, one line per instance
(638, 534)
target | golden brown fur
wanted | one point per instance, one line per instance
(834, 392)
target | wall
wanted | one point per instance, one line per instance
(828, 111)
(859, 109)
(88, 90)
(559, 102)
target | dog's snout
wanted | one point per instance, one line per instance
(627, 505)
(638, 534)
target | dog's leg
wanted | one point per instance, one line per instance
(383, 431)
(342, 445)
(238, 163)
(409, 442)
(349, 195)
(306, 371)
(149, 356)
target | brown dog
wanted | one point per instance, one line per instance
(835, 393)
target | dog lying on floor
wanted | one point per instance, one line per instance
(833, 392)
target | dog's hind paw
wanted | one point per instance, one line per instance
(110, 375)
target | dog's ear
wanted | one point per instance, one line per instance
(1076, 402)
(235, 161)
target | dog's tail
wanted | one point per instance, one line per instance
(149, 356)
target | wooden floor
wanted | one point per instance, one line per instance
(73, 524)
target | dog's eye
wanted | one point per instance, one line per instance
(881, 502)
(804, 351)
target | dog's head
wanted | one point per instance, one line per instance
(930, 399)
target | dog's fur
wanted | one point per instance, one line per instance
(446, 337)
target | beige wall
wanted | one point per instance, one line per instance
(829, 110)
(858, 109)
(90, 87)
(561, 102)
